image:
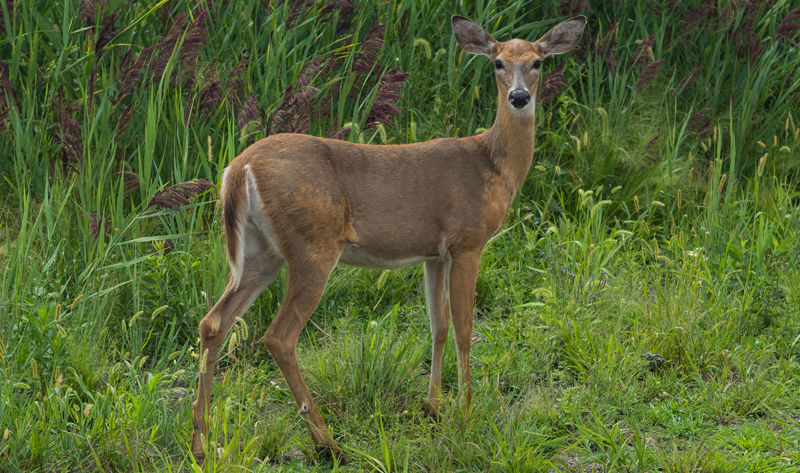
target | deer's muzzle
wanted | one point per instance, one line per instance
(519, 98)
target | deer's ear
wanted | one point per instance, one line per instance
(563, 37)
(471, 36)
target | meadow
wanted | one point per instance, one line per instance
(639, 311)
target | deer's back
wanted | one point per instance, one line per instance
(391, 201)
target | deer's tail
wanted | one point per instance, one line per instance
(235, 205)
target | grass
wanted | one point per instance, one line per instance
(638, 312)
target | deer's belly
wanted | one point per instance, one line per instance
(355, 255)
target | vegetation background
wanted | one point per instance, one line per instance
(638, 312)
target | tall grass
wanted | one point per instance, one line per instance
(636, 313)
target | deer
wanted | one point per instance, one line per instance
(311, 203)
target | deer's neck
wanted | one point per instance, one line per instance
(510, 143)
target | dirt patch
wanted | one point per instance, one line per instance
(573, 462)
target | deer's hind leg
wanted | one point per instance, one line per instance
(260, 268)
(307, 279)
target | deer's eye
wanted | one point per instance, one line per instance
(537, 64)
(498, 64)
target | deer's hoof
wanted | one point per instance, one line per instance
(331, 452)
(199, 457)
(431, 412)
(197, 447)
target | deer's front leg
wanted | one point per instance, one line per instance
(436, 295)
(463, 277)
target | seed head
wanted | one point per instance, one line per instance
(178, 195)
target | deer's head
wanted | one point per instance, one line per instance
(517, 63)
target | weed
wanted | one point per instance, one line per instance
(636, 313)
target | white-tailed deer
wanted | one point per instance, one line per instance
(314, 202)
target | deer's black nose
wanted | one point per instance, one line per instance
(519, 98)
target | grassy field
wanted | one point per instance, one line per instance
(639, 311)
